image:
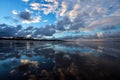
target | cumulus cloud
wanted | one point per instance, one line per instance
(29, 28)
(81, 13)
(27, 10)
(28, 18)
(85, 9)
(82, 16)
(50, 8)
(36, 19)
(61, 25)
(63, 9)
(74, 12)
(65, 24)
(46, 8)
(48, 30)
(30, 31)
(35, 6)
(8, 31)
(25, 16)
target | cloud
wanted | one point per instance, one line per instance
(50, 7)
(107, 22)
(11, 19)
(85, 9)
(25, 16)
(19, 27)
(116, 13)
(74, 12)
(27, 10)
(36, 19)
(79, 13)
(100, 34)
(65, 24)
(89, 18)
(63, 9)
(25, 1)
(28, 36)
(45, 21)
(113, 34)
(33, 32)
(28, 18)
(109, 27)
(48, 30)
(29, 28)
(14, 12)
(35, 6)
(8, 31)
(69, 8)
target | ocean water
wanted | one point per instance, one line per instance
(43, 60)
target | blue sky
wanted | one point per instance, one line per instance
(8, 8)
(62, 19)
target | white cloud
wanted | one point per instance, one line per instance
(63, 9)
(51, 8)
(74, 12)
(28, 36)
(46, 8)
(25, 1)
(14, 12)
(35, 6)
(36, 19)
(45, 21)
(27, 10)
(73, 15)
(88, 9)
(100, 34)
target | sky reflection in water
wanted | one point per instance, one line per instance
(27, 60)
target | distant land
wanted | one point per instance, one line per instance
(69, 40)
(24, 38)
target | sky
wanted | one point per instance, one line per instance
(60, 19)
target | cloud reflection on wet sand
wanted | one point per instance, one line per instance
(59, 61)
